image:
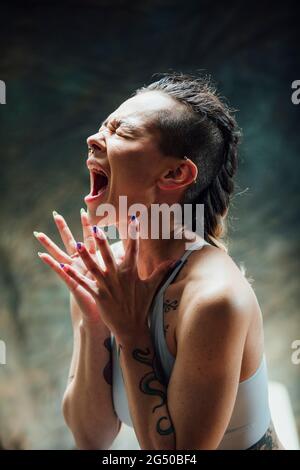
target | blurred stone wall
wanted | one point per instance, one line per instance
(67, 65)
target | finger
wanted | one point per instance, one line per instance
(65, 233)
(120, 259)
(72, 285)
(105, 250)
(90, 264)
(80, 294)
(83, 281)
(52, 248)
(88, 234)
(132, 249)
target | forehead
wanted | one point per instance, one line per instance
(142, 107)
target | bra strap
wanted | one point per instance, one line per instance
(180, 263)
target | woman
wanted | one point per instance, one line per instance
(174, 349)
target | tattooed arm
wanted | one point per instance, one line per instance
(146, 392)
(194, 410)
(87, 403)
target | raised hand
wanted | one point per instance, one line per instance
(56, 256)
(123, 297)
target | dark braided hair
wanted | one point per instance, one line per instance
(202, 127)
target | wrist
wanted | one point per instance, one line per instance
(134, 338)
(93, 326)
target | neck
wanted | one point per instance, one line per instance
(152, 252)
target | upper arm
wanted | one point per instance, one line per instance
(203, 385)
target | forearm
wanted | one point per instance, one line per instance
(88, 406)
(147, 395)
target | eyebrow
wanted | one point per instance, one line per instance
(134, 129)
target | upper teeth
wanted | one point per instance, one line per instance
(95, 170)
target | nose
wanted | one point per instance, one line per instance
(96, 140)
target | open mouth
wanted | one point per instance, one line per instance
(99, 184)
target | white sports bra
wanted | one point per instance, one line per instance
(251, 416)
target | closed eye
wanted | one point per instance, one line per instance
(111, 127)
(115, 125)
(117, 133)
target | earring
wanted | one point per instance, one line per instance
(186, 158)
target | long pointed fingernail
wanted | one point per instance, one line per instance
(36, 234)
(39, 253)
(101, 234)
(54, 213)
(134, 219)
(98, 232)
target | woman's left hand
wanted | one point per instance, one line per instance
(124, 297)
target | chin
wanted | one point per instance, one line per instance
(108, 219)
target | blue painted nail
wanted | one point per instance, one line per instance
(61, 265)
(95, 228)
(79, 245)
(133, 217)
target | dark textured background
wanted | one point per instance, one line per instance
(66, 66)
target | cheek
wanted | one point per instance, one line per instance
(130, 168)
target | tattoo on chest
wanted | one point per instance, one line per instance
(107, 371)
(267, 442)
(170, 305)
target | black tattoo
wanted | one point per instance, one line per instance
(107, 371)
(267, 442)
(169, 305)
(155, 375)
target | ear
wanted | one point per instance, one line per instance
(178, 177)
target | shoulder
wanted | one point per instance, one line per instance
(214, 312)
(214, 325)
(215, 293)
